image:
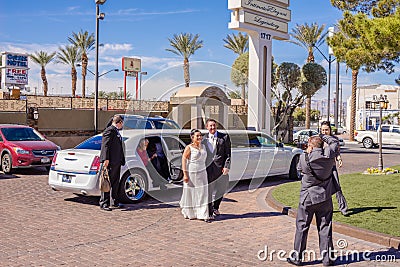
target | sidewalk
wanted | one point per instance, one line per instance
(41, 227)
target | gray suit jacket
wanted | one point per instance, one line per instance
(318, 189)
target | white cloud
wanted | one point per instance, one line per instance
(71, 8)
(112, 49)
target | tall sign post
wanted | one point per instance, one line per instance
(131, 67)
(262, 20)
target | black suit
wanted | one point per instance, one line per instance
(217, 160)
(112, 149)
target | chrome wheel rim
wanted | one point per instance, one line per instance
(134, 187)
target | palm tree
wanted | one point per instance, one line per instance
(308, 36)
(315, 78)
(185, 44)
(42, 58)
(85, 43)
(70, 55)
(239, 44)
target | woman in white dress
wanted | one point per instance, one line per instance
(194, 201)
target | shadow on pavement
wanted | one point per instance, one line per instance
(28, 171)
(225, 216)
(88, 200)
(353, 211)
(8, 176)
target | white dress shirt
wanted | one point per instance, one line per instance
(212, 141)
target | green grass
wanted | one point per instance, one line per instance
(374, 201)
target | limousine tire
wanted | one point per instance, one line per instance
(133, 187)
(293, 174)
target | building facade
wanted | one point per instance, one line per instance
(367, 118)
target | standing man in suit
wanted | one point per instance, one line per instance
(112, 156)
(218, 146)
(316, 193)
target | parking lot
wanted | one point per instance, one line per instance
(41, 227)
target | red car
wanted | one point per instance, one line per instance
(23, 147)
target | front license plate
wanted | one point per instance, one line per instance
(44, 160)
(66, 178)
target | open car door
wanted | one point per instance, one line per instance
(174, 148)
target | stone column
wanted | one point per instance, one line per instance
(259, 112)
(177, 114)
(196, 116)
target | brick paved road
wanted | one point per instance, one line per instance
(40, 227)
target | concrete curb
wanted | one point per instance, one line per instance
(342, 228)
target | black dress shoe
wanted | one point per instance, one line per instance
(117, 206)
(106, 208)
(294, 262)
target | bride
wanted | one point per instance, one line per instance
(194, 201)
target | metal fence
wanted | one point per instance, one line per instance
(57, 102)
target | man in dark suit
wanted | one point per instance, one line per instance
(112, 156)
(316, 193)
(218, 146)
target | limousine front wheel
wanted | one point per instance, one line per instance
(133, 187)
(293, 173)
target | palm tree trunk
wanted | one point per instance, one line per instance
(84, 72)
(310, 58)
(186, 73)
(354, 76)
(243, 94)
(308, 112)
(44, 80)
(73, 78)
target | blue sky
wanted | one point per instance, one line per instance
(140, 29)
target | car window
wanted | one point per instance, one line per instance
(385, 128)
(164, 124)
(173, 144)
(22, 134)
(1, 138)
(266, 141)
(185, 138)
(245, 140)
(93, 143)
(130, 123)
(395, 130)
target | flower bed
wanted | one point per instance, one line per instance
(376, 171)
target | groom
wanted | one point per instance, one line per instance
(218, 146)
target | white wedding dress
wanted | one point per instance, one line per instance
(194, 201)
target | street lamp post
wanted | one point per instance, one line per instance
(383, 104)
(99, 16)
(329, 60)
(140, 87)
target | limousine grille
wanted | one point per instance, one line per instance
(47, 153)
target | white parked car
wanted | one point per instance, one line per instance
(254, 154)
(369, 139)
(303, 135)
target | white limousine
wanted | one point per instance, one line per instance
(254, 155)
